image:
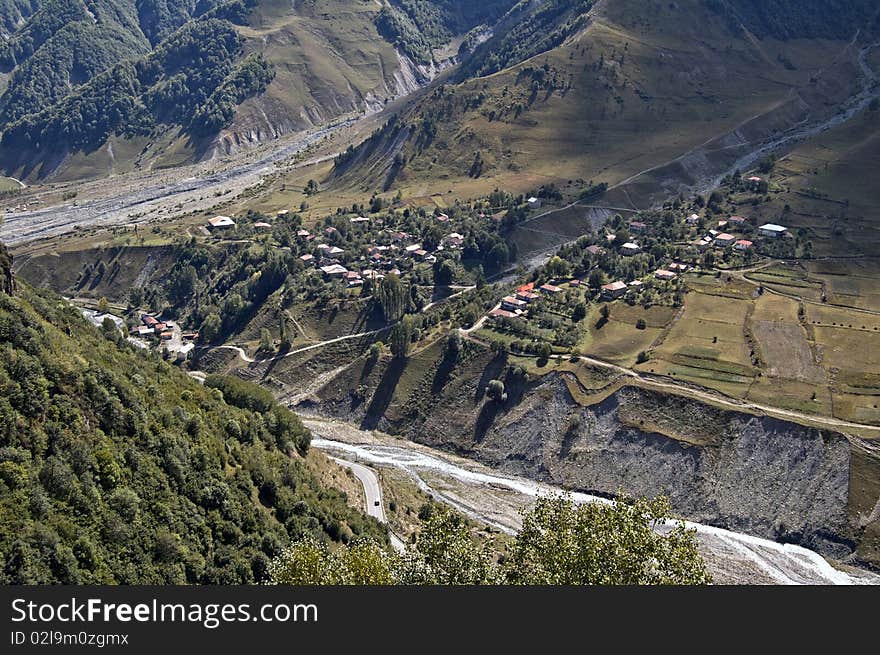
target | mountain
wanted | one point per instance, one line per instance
(566, 92)
(117, 468)
(92, 85)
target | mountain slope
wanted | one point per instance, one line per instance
(302, 65)
(632, 85)
(116, 468)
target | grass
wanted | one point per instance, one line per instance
(604, 126)
(8, 184)
(619, 340)
(709, 324)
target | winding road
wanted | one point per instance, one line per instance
(373, 495)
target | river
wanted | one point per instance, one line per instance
(496, 499)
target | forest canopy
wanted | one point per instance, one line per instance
(117, 468)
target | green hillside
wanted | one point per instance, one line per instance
(117, 468)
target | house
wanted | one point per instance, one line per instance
(743, 244)
(502, 313)
(722, 225)
(142, 330)
(596, 251)
(725, 240)
(550, 288)
(575, 283)
(630, 248)
(772, 231)
(534, 203)
(330, 231)
(149, 321)
(636, 284)
(663, 274)
(282, 212)
(220, 223)
(681, 268)
(262, 226)
(512, 304)
(443, 218)
(358, 220)
(421, 253)
(527, 296)
(693, 219)
(614, 290)
(184, 351)
(189, 336)
(454, 240)
(335, 251)
(308, 259)
(334, 270)
(411, 250)
(526, 287)
(303, 234)
(637, 226)
(167, 335)
(737, 221)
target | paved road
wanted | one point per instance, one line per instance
(373, 493)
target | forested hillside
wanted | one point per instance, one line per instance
(416, 27)
(117, 468)
(80, 76)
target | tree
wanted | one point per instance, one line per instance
(392, 298)
(444, 273)
(641, 324)
(284, 333)
(103, 305)
(495, 391)
(543, 351)
(596, 279)
(311, 188)
(603, 543)
(605, 312)
(560, 544)
(266, 340)
(375, 350)
(454, 344)
(642, 357)
(401, 337)
(579, 312)
(210, 328)
(310, 562)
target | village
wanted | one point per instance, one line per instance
(645, 260)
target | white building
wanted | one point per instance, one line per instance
(772, 231)
(220, 223)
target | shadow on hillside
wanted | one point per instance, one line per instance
(485, 419)
(279, 356)
(383, 394)
(441, 375)
(491, 372)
